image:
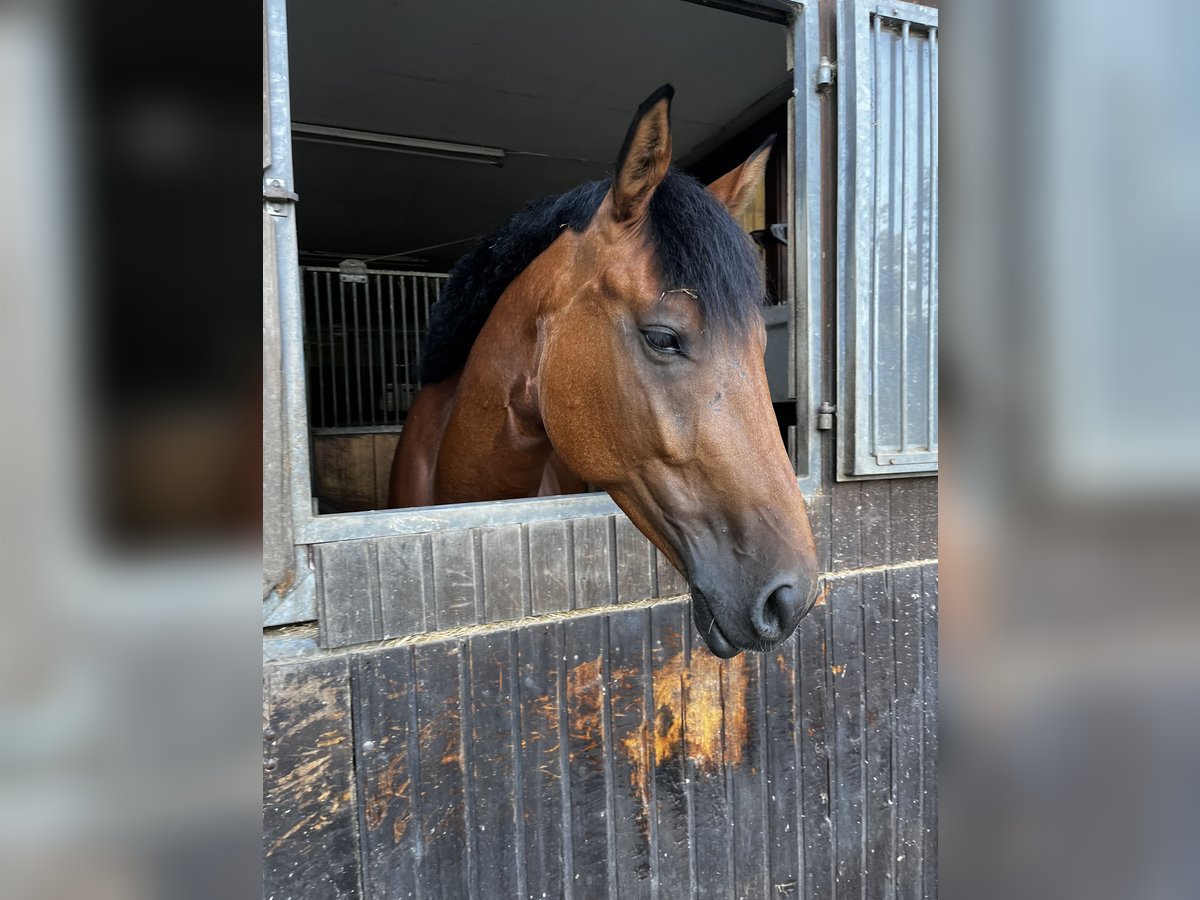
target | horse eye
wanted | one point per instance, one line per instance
(662, 339)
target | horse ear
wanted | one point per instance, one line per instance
(735, 189)
(645, 156)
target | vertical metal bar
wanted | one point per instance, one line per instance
(933, 237)
(905, 195)
(425, 297)
(360, 417)
(381, 372)
(394, 417)
(873, 323)
(345, 418)
(371, 399)
(314, 303)
(404, 342)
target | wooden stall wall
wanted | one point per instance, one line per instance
(351, 471)
(560, 729)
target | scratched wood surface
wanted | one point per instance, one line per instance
(310, 804)
(384, 588)
(610, 755)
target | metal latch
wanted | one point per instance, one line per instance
(279, 198)
(825, 416)
(825, 73)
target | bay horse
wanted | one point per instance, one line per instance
(613, 336)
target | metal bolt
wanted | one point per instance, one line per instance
(270, 764)
(269, 734)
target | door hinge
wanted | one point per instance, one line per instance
(825, 74)
(279, 198)
(825, 416)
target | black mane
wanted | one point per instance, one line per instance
(696, 243)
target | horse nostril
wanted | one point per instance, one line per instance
(778, 614)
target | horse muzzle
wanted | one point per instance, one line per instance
(768, 620)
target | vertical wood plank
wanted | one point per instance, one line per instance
(384, 707)
(875, 521)
(673, 803)
(929, 729)
(907, 734)
(348, 589)
(344, 471)
(493, 782)
(704, 739)
(385, 449)
(879, 727)
(454, 578)
(914, 519)
(782, 736)
(819, 512)
(633, 782)
(505, 579)
(846, 666)
(816, 773)
(927, 518)
(587, 746)
(635, 572)
(593, 562)
(670, 582)
(742, 686)
(549, 575)
(403, 562)
(540, 651)
(310, 804)
(445, 869)
(845, 534)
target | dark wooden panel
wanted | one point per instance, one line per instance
(819, 519)
(632, 774)
(914, 519)
(344, 471)
(388, 775)
(587, 750)
(879, 726)
(907, 734)
(549, 566)
(349, 592)
(781, 738)
(310, 805)
(593, 562)
(874, 522)
(816, 764)
(845, 532)
(505, 573)
(540, 761)
(455, 579)
(498, 872)
(668, 624)
(403, 563)
(708, 776)
(635, 563)
(670, 582)
(846, 667)
(745, 753)
(929, 729)
(446, 864)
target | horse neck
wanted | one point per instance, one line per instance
(494, 446)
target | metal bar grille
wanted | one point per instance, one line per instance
(888, 282)
(362, 344)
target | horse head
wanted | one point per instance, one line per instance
(651, 385)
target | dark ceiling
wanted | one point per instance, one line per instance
(553, 83)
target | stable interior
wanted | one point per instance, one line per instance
(418, 128)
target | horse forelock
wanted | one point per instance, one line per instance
(695, 241)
